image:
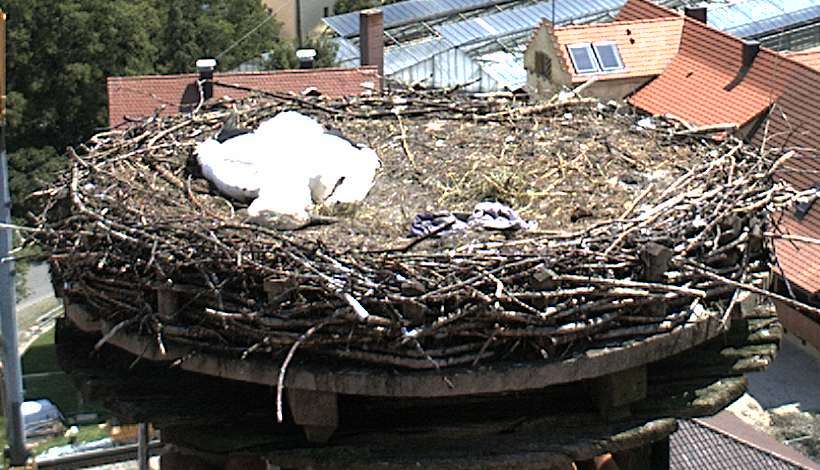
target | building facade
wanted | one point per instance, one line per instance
(300, 17)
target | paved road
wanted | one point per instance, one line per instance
(36, 311)
(38, 284)
(793, 378)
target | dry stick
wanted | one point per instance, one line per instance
(113, 332)
(170, 130)
(796, 238)
(418, 240)
(781, 161)
(744, 264)
(280, 382)
(685, 264)
(629, 283)
(637, 201)
(407, 152)
(280, 96)
(709, 129)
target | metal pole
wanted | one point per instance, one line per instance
(142, 446)
(553, 13)
(12, 377)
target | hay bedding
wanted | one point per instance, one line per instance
(639, 231)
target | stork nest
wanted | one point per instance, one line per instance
(640, 231)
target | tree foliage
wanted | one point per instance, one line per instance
(283, 55)
(345, 6)
(60, 53)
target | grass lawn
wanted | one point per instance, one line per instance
(41, 356)
(43, 378)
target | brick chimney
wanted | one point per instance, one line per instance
(371, 38)
(750, 50)
(696, 13)
(206, 67)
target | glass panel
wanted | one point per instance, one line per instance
(608, 56)
(582, 58)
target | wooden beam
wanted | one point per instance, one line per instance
(167, 303)
(655, 259)
(316, 412)
(614, 393)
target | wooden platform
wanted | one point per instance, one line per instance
(211, 412)
(383, 382)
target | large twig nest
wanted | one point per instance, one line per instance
(640, 230)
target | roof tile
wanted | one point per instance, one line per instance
(140, 96)
(708, 71)
(705, 84)
(646, 46)
(643, 10)
(724, 442)
(810, 57)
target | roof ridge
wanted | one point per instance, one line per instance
(667, 19)
(763, 50)
(260, 73)
(812, 51)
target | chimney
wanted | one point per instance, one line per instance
(750, 50)
(306, 58)
(206, 67)
(371, 38)
(696, 13)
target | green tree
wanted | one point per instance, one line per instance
(283, 54)
(234, 31)
(59, 55)
(61, 52)
(345, 6)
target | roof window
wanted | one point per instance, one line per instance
(608, 56)
(583, 59)
(597, 57)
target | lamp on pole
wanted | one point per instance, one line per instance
(12, 377)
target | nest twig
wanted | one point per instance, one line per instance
(641, 231)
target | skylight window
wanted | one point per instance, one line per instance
(608, 56)
(594, 58)
(583, 59)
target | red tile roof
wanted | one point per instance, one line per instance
(643, 10)
(810, 57)
(707, 84)
(793, 123)
(799, 261)
(139, 97)
(646, 46)
(702, 85)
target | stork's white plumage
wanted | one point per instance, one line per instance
(237, 170)
(290, 125)
(283, 205)
(359, 173)
(286, 164)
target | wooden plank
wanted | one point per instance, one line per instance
(613, 393)
(456, 381)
